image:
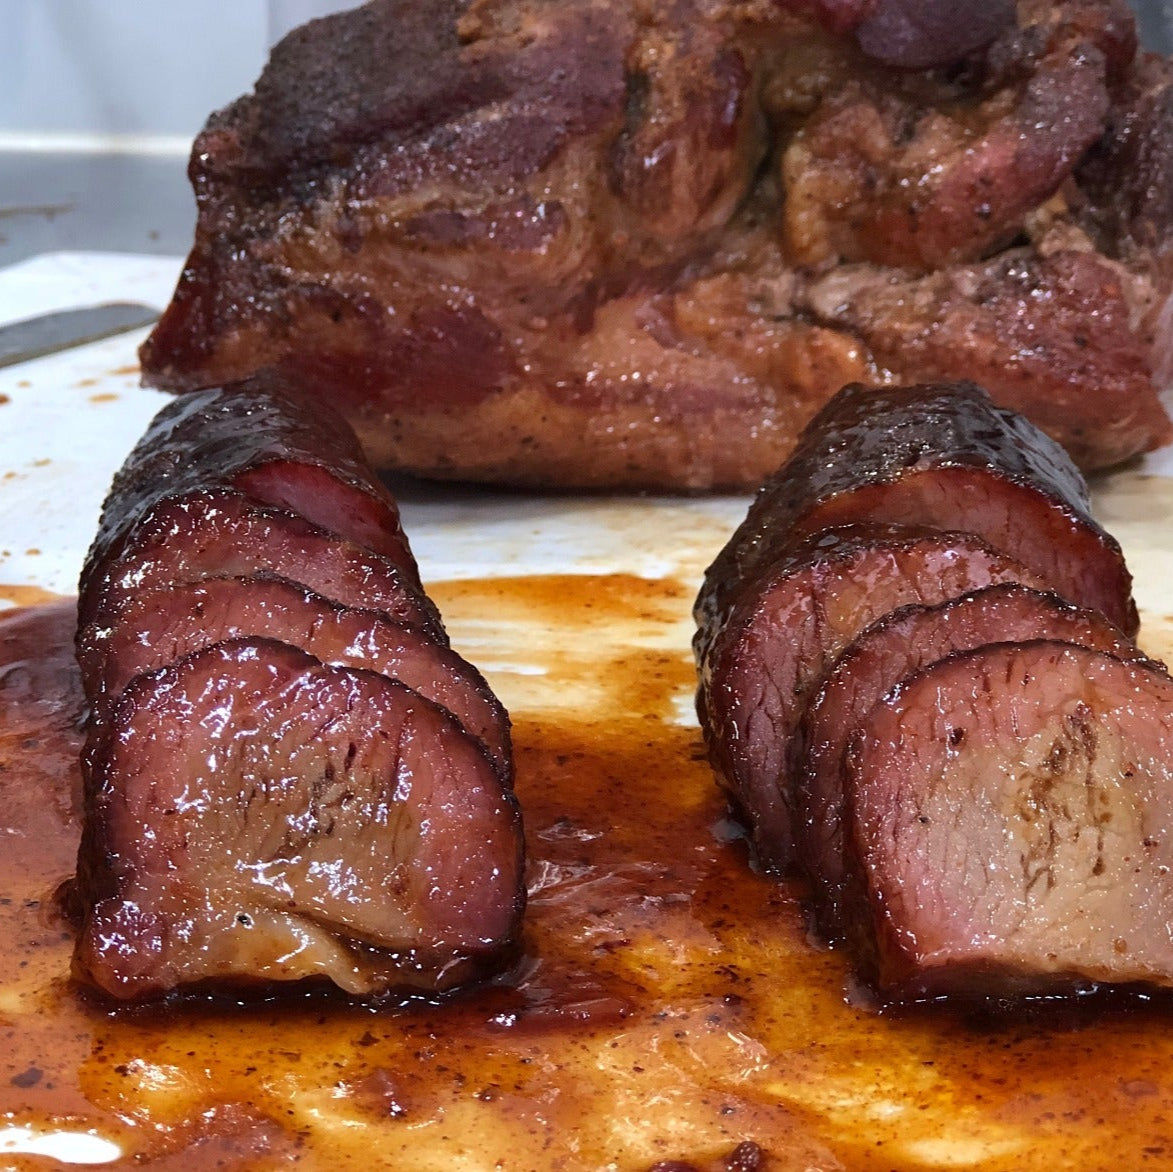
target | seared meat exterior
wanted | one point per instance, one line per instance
(781, 600)
(162, 625)
(288, 771)
(610, 244)
(758, 669)
(255, 816)
(941, 456)
(1008, 814)
(895, 646)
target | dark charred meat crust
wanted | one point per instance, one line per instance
(895, 646)
(759, 667)
(941, 456)
(1009, 814)
(598, 243)
(306, 821)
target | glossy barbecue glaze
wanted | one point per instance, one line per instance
(671, 1007)
(266, 443)
(253, 816)
(939, 455)
(162, 625)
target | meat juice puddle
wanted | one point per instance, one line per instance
(667, 1003)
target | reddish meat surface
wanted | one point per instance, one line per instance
(275, 447)
(760, 666)
(222, 533)
(305, 821)
(573, 243)
(1008, 825)
(895, 646)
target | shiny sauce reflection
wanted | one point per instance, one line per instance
(667, 1005)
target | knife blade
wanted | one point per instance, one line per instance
(49, 333)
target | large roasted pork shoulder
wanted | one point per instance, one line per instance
(611, 243)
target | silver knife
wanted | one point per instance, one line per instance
(49, 333)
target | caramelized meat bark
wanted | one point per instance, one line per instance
(1008, 812)
(580, 243)
(759, 668)
(895, 646)
(304, 821)
(937, 455)
(162, 625)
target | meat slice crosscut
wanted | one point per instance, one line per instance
(760, 669)
(893, 647)
(1008, 826)
(304, 821)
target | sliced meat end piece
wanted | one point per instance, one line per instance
(223, 533)
(304, 821)
(893, 647)
(162, 625)
(280, 448)
(939, 455)
(759, 672)
(1009, 813)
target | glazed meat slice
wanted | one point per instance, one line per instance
(222, 533)
(892, 648)
(162, 625)
(757, 672)
(936, 455)
(257, 816)
(588, 242)
(267, 442)
(1008, 825)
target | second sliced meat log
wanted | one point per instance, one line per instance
(289, 773)
(780, 601)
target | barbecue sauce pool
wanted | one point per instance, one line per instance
(667, 1004)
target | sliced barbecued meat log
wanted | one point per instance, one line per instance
(288, 771)
(162, 625)
(256, 816)
(758, 669)
(594, 242)
(940, 457)
(937, 455)
(1008, 814)
(892, 648)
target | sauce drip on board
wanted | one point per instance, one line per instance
(667, 1004)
